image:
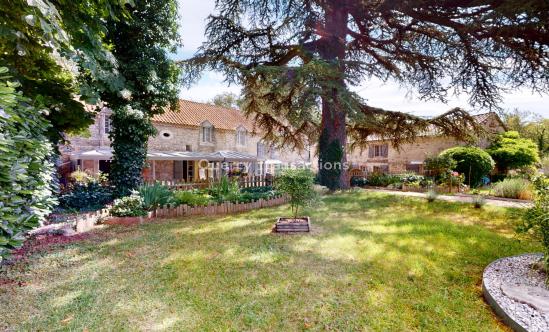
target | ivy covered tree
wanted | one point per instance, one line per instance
(140, 46)
(293, 56)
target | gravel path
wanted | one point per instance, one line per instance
(516, 271)
(458, 198)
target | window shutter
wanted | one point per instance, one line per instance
(371, 151)
(385, 150)
(178, 169)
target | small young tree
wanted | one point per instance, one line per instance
(298, 184)
(471, 161)
(510, 151)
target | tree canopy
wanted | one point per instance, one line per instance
(510, 151)
(294, 57)
(59, 64)
(227, 99)
(529, 125)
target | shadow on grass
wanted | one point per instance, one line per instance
(376, 262)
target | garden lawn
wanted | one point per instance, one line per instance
(373, 262)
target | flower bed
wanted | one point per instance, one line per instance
(217, 208)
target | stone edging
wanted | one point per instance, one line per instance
(508, 320)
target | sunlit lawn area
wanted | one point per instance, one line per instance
(373, 262)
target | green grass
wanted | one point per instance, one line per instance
(373, 262)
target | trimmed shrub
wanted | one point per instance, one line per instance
(359, 181)
(298, 185)
(474, 163)
(155, 196)
(129, 206)
(513, 188)
(86, 197)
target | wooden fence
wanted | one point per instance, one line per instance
(243, 182)
(219, 209)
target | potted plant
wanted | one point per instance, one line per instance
(297, 184)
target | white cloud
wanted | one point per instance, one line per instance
(385, 95)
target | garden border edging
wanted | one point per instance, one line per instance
(498, 310)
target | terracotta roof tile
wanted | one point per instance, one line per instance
(190, 113)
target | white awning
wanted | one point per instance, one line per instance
(106, 154)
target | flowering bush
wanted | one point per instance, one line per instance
(129, 206)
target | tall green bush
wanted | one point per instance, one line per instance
(298, 185)
(474, 163)
(26, 170)
(510, 151)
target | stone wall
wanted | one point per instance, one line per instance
(181, 137)
(94, 138)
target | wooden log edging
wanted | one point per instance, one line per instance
(216, 209)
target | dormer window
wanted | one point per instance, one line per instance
(241, 136)
(206, 132)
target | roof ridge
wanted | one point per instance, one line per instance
(208, 104)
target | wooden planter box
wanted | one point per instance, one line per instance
(283, 225)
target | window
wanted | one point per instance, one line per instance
(416, 168)
(378, 150)
(241, 136)
(206, 133)
(107, 124)
(165, 134)
(188, 148)
(260, 150)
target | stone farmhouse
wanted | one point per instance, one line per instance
(381, 156)
(202, 141)
(197, 142)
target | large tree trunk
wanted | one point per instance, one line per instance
(333, 139)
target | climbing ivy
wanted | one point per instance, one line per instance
(131, 130)
(141, 47)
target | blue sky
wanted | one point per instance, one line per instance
(385, 95)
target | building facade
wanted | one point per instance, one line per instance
(381, 156)
(196, 142)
